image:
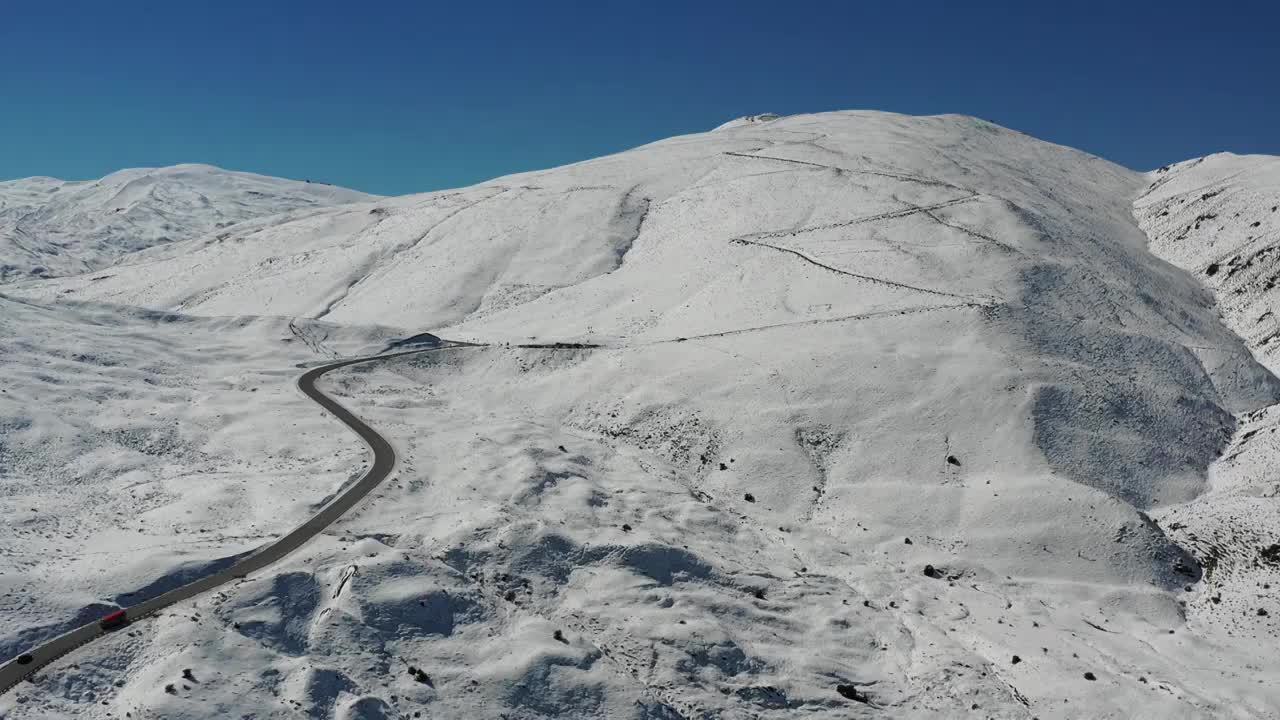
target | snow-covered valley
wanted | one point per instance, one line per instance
(851, 415)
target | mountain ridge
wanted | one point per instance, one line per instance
(52, 227)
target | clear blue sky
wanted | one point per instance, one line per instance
(396, 97)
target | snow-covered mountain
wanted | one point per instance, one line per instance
(54, 227)
(867, 415)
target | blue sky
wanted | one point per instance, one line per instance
(396, 97)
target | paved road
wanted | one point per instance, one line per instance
(384, 460)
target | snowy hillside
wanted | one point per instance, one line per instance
(853, 415)
(53, 227)
(1219, 217)
(129, 438)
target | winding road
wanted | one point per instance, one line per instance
(384, 461)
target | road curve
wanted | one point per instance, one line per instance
(384, 461)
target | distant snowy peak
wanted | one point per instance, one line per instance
(747, 120)
(52, 227)
(1218, 217)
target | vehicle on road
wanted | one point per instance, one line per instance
(384, 461)
(112, 621)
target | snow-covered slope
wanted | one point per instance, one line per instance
(808, 219)
(1219, 217)
(867, 419)
(149, 444)
(53, 227)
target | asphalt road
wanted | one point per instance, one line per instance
(384, 461)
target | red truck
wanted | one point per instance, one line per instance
(113, 621)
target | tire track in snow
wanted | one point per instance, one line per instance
(912, 310)
(881, 173)
(868, 278)
(929, 212)
(890, 215)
